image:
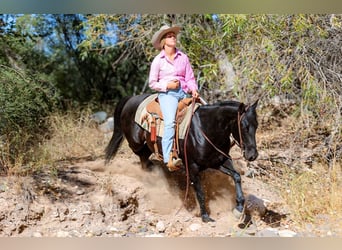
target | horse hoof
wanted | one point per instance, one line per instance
(237, 214)
(206, 218)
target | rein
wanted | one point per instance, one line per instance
(186, 155)
(239, 127)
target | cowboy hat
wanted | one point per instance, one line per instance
(161, 32)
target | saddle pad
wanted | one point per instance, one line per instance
(143, 118)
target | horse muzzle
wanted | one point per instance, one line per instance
(250, 155)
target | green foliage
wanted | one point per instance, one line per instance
(25, 103)
(94, 60)
(283, 55)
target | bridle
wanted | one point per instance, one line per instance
(240, 143)
(240, 116)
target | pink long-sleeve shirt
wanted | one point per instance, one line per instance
(163, 71)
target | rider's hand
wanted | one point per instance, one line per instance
(174, 84)
(195, 94)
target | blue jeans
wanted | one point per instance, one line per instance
(168, 104)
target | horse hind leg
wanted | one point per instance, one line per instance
(144, 154)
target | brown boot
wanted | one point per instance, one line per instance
(174, 164)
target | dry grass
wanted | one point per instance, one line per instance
(313, 193)
(311, 185)
(74, 137)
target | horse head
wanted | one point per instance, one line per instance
(248, 125)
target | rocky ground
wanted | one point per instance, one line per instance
(85, 198)
(88, 198)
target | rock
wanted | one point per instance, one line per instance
(113, 230)
(37, 234)
(144, 230)
(250, 173)
(194, 227)
(98, 232)
(107, 126)
(99, 117)
(250, 230)
(80, 192)
(254, 206)
(160, 226)
(62, 234)
(3, 188)
(154, 235)
(237, 214)
(89, 234)
(268, 232)
(287, 233)
(276, 101)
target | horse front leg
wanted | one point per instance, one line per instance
(228, 168)
(195, 178)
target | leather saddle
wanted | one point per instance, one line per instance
(156, 118)
(154, 109)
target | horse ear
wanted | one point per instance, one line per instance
(242, 108)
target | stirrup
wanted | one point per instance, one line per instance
(174, 164)
(156, 157)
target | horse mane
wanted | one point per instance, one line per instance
(228, 103)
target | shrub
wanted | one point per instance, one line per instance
(25, 102)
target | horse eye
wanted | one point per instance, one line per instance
(247, 129)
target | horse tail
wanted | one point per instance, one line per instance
(116, 140)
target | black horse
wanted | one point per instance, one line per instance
(207, 142)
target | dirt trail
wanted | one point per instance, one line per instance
(121, 200)
(86, 198)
